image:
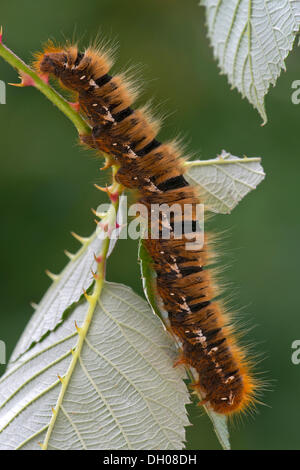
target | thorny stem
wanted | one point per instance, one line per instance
(109, 221)
(62, 104)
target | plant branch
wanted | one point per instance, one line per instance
(108, 223)
(81, 125)
(221, 161)
(92, 300)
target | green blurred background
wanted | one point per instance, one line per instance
(46, 181)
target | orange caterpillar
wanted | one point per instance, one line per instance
(156, 171)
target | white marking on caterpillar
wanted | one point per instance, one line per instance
(186, 307)
(213, 350)
(230, 379)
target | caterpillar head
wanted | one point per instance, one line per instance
(62, 64)
(53, 63)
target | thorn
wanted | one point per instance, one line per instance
(82, 240)
(34, 305)
(112, 196)
(72, 350)
(40, 444)
(86, 295)
(98, 259)
(117, 225)
(60, 378)
(108, 164)
(53, 410)
(99, 214)
(77, 327)
(69, 255)
(52, 276)
(104, 190)
(95, 276)
(75, 106)
(16, 84)
(26, 80)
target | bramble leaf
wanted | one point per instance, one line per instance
(224, 181)
(119, 392)
(251, 40)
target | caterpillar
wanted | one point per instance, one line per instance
(155, 171)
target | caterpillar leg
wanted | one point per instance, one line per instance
(180, 361)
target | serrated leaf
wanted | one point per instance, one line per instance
(66, 290)
(225, 180)
(251, 40)
(148, 276)
(122, 393)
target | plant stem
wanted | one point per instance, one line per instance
(92, 301)
(81, 125)
(109, 221)
(220, 161)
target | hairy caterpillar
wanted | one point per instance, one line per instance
(156, 171)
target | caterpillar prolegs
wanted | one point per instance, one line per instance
(156, 171)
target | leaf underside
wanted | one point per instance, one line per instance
(123, 393)
(225, 181)
(251, 40)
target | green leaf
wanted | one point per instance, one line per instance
(119, 391)
(251, 40)
(148, 278)
(219, 421)
(225, 180)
